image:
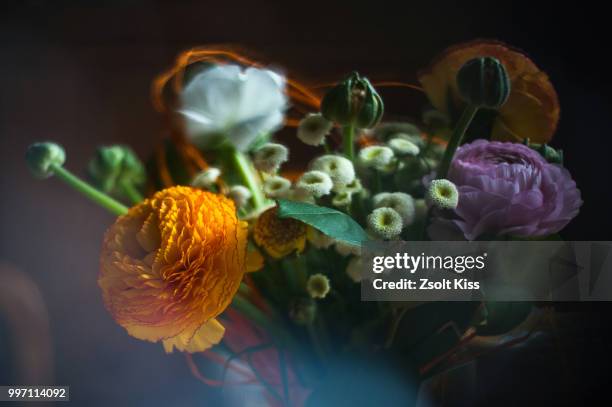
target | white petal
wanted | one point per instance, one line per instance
(261, 95)
(214, 93)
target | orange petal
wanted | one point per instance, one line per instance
(254, 260)
(522, 116)
(208, 335)
(528, 83)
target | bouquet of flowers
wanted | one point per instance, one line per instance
(238, 254)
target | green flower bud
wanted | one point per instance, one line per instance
(353, 102)
(303, 311)
(484, 82)
(40, 157)
(550, 154)
(114, 166)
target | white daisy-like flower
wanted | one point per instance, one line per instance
(269, 157)
(313, 129)
(240, 195)
(339, 168)
(276, 187)
(385, 223)
(401, 202)
(228, 103)
(346, 249)
(354, 267)
(379, 157)
(315, 183)
(403, 147)
(318, 286)
(318, 239)
(342, 199)
(206, 178)
(443, 194)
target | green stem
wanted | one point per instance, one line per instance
(90, 192)
(348, 141)
(131, 192)
(462, 125)
(299, 274)
(378, 181)
(247, 173)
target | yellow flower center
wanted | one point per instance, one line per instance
(279, 237)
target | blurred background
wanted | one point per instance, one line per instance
(79, 72)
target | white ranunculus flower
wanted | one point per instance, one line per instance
(228, 102)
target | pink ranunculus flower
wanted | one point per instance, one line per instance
(509, 189)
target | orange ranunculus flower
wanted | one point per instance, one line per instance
(279, 237)
(171, 265)
(532, 110)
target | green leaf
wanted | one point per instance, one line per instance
(329, 221)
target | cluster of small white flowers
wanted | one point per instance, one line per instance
(331, 178)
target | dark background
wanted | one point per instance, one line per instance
(79, 73)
